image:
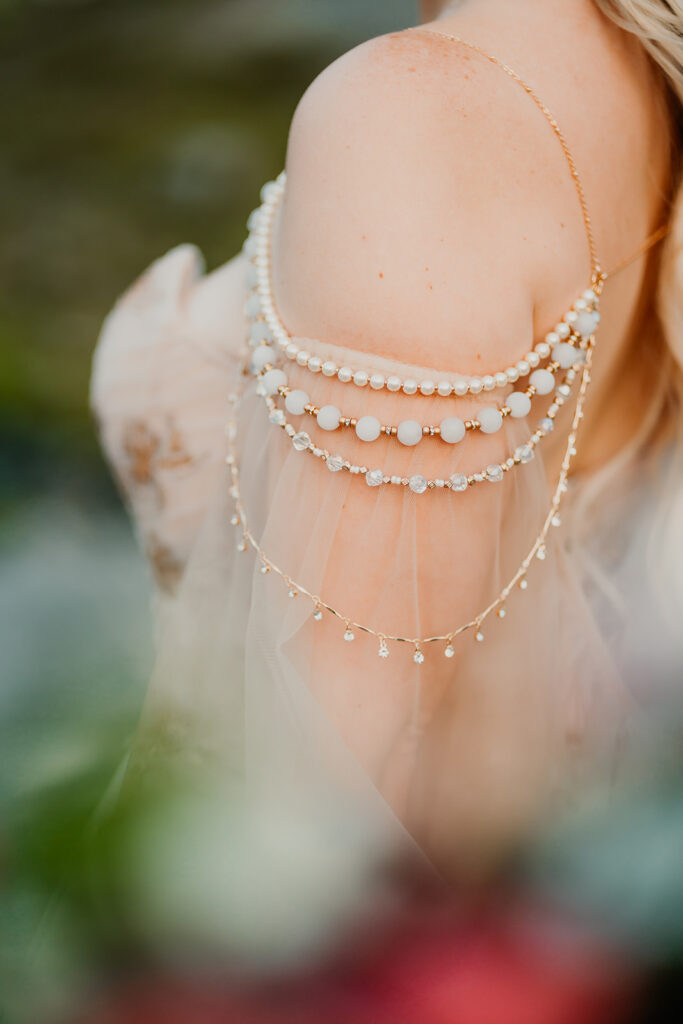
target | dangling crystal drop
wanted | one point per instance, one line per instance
(450, 651)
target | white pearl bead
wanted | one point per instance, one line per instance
(523, 367)
(328, 417)
(532, 358)
(291, 351)
(360, 378)
(329, 368)
(543, 381)
(543, 349)
(489, 382)
(409, 387)
(427, 387)
(272, 380)
(519, 404)
(460, 387)
(551, 338)
(262, 355)
(296, 402)
(368, 428)
(377, 382)
(512, 374)
(302, 358)
(490, 420)
(565, 354)
(452, 429)
(476, 385)
(409, 432)
(501, 379)
(394, 383)
(344, 374)
(314, 364)
(444, 388)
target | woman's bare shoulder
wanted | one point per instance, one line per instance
(422, 180)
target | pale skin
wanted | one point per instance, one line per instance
(430, 217)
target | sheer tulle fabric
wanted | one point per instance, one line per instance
(454, 758)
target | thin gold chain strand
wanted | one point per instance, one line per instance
(595, 266)
(296, 588)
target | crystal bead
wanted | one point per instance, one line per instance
(494, 473)
(418, 657)
(349, 636)
(277, 417)
(242, 546)
(383, 650)
(556, 521)
(264, 570)
(334, 463)
(458, 482)
(292, 592)
(374, 477)
(235, 521)
(502, 612)
(301, 441)
(318, 615)
(541, 553)
(546, 425)
(479, 637)
(523, 584)
(417, 484)
(524, 453)
(450, 651)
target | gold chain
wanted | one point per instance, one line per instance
(596, 274)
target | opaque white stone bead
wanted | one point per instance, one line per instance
(328, 417)
(296, 401)
(586, 323)
(262, 355)
(368, 428)
(409, 432)
(565, 354)
(519, 404)
(490, 420)
(543, 381)
(272, 380)
(452, 430)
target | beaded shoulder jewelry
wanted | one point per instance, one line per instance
(567, 350)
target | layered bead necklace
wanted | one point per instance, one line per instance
(566, 352)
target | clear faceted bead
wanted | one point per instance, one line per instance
(374, 477)
(277, 417)
(417, 484)
(479, 637)
(546, 425)
(418, 657)
(450, 651)
(334, 463)
(349, 636)
(318, 615)
(383, 650)
(458, 482)
(301, 441)
(494, 473)
(524, 453)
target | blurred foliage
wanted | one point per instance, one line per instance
(129, 126)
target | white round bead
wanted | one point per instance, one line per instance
(409, 387)
(291, 351)
(523, 367)
(552, 338)
(460, 387)
(296, 401)
(272, 380)
(501, 379)
(565, 354)
(476, 385)
(377, 382)
(490, 420)
(344, 374)
(314, 364)
(512, 374)
(452, 429)
(444, 388)
(543, 381)
(360, 378)
(262, 355)
(586, 323)
(562, 330)
(368, 428)
(302, 358)
(329, 368)
(532, 358)
(394, 383)
(409, 432)
(543, 349)
(519, 404)
(427, 387)
(328, 417)
(489, 382)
